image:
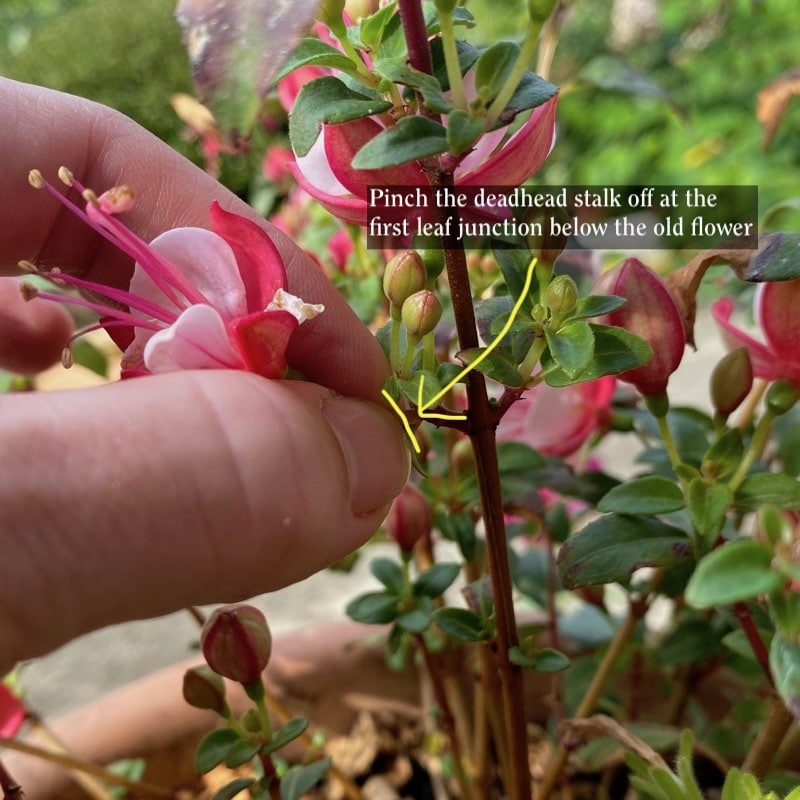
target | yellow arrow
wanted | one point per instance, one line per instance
(423, 406)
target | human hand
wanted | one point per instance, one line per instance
(137, 498)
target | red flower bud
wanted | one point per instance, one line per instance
(236, 643)
(731, 381)
(409, 518)
(650, 313)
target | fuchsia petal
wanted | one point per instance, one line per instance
(778, 314)
(12, 712)
(259, 263)
(198, 340)
(522, 154)
(261, 340)
(343, 141)
(765, 363)
(556, 422)
(344, 207)
(208, 263)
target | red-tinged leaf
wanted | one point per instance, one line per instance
(237, 47)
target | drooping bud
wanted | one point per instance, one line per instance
(561, 296)
(203, 688)
(421, 313)
(404, 275)
(651, 313)
(237, 643)
(409, 517)
(731, 381)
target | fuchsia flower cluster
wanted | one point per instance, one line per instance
(198, 299)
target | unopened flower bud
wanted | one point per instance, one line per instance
(203, 688)
(731, 381)
(237, 643)
(781, 397)
(561, 296)
(421, 313)
(404, 274)
(462, 457)
(409, 517)
(650, 313)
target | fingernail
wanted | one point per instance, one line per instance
(377, 457)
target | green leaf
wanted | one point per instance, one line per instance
(724, 456)
(299, 780)
(650, 494)
(397, 70)
(287, 733)
(768, 488)
(435, 580)
(230, 790)
(494, 67)
(416, 621)
(412, 138)
(461, 624)
(389, 573)
(463, 130)
(708, 504)
(532, 92)
(613, 74)
(784, 661)
(314, 52)
(497, 365)
(371, 28)
(241, 752)
(327, 100)
(572, 346)
(615, 350)
(544, 659)
(693, 642)
(609, 549)
(373, 608)
(213, 748)
(89, 356)
(737, 570)
(597, 306)
(410, 388)
(776, 258)
(737, 642)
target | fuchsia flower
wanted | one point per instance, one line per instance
(327, 174)
(651, 313)
(197, 299)
(775, 308)
(12, 712)
(556, 422)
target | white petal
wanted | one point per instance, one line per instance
(197, 340)
(207, 262)
(317, 170)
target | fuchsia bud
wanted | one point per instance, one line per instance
(203, 688)
(650, 313)
(409, 518)
(731, 381)
(405, 274)
(237, 643)
(421, 313)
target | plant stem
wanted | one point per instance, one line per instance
(419, 51)
(757, 443)
(559, 760)
(451, 60)
(766, 744)
(753, 638)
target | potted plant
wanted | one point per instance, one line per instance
(515, 352)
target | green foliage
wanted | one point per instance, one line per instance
(127, 56)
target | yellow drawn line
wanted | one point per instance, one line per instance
(423, 406)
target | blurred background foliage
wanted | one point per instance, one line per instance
(653, 91)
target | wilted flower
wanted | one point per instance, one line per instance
(197, 299)
(556, 422)
(651, 313)
(775, 308)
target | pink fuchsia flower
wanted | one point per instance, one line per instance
(12, 712)
(327, 174)
(197, 299)
(775, 308)
(556, 422)
(652, 314)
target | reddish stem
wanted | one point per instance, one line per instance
(753, 638)
(419, 51)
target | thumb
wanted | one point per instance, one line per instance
(138, 498)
